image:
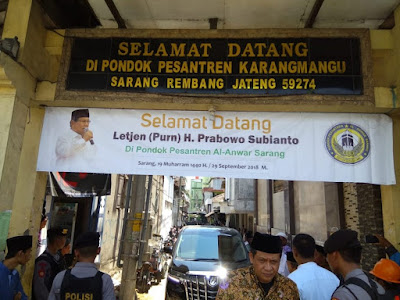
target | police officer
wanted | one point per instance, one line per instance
(83, 281)
(344, 255)
(47, 265)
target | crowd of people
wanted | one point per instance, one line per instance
(305, 270)
(308, 271)
(57, 274)
(173, 234)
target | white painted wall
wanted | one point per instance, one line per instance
(112, 230)
(168, 197)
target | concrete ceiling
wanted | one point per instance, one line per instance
(242, 14)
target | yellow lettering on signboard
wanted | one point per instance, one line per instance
(91, 65)
(178, 51)
(135, 49)
(147, 51)
(193, 51)
(233, 49)
(123, 48)
(301, 49)
(272, 51)
(161, 51)
(205, 47)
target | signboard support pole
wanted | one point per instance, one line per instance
(178, 222)
(146, 218)
(132, 237)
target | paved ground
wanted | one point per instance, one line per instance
(156, 292)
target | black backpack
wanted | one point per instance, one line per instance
(371, 290)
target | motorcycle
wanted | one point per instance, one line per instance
(153, 270)
(143, 278)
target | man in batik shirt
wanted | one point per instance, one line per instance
(261, 280)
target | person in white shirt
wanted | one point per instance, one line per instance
(75, 148)
(284, 238)
(313, 282)
(283, 268)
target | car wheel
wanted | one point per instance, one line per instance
(143, 283)
(147, 282)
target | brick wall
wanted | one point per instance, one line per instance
(371, 221)
(363, 213)
(351, 206)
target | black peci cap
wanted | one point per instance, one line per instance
(79, 113)
(266, 243)
(17, 243)
(56, 231)
(87, 239)
(341, 240)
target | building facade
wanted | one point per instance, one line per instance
(37, 78)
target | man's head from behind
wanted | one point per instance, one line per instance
(87, 246)
(303, 247)
(19, 248)
(343, 248)
(80, 120)
(265, 256)
(320, 256)
(291, 262)
(56, 237)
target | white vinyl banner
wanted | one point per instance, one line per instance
(342, 147)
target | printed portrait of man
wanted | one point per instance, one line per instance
(75, 148)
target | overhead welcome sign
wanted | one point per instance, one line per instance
(264, 145)
(259, 66)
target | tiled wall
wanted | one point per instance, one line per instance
(371, 221)
(351, 206)
(363, 213)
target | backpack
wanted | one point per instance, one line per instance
(371, 290)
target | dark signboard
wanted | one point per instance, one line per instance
(66, 184)
(276, 66)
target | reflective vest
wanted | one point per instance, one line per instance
(55, 268)
(88, 288)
